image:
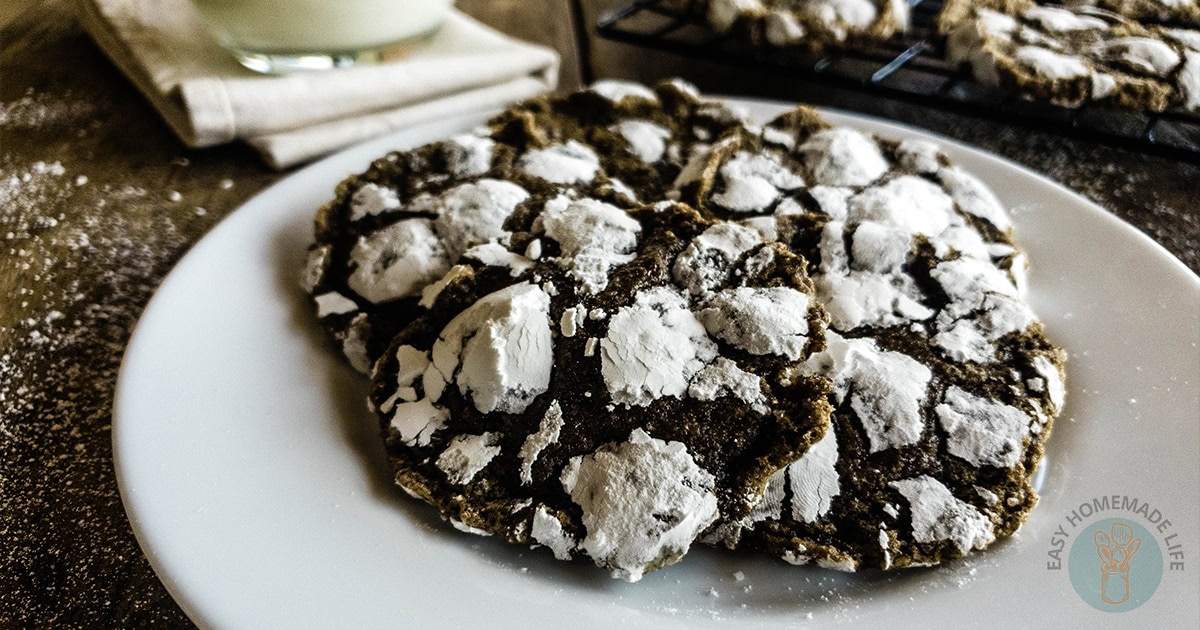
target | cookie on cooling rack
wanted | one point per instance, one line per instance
(1071, 56)
(1177, 12)
(944, 385)
(812, 24)
(394, 229)
(612, 384)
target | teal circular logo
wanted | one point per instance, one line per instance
(1115, 565)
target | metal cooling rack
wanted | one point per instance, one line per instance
(908, 67)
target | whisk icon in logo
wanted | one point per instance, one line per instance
(1115, 565)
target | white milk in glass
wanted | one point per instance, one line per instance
(286, 32)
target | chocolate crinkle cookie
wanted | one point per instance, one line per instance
(619, 321)
(396, 228)
(944, 385)
(1177, 12)
(809, 24)
(593, 396)
(1074, 55)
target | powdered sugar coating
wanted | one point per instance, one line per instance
(570, 163)
(397, 261)
(653, 348)
(813, 480)
(617, 91)
(373, 200)
(418, 421)
(647, 140)
(496, 255)
(706, 262)
(974, 197)
(334, 303)
(1054, 381)
(546, 435)
(467, 455)
(937, 515)
(499, 351)
(316, 263)
(907, 202)
(450, 454)
(809, 23)
(922, 156)
(354, 343)
(984, 306)
(1061, 20)
(880, 249)
(430, 293)
(643, 503)
(547, 530)
(754, 182)
(900, 256)
(886, 389)
(887, 233)
(723, 377)
(469, 155)
(759, 320)
(723, 13)
(1074, 54)
(767, 228)
(474, 213)
(593, 237)
(569, 324)
(981, 431)
(843, 157)
(834, 201)
(412, 365)
(878, 293)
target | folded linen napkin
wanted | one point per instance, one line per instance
(208, 98)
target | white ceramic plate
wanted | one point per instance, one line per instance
(255, 482)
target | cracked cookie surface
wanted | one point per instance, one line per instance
(809, 24)
(592, 399)
(615, 296)
(1074, 55)
(396, 228)
(944, 385)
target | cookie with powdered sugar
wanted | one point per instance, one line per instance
(615, 382)
(642, 136)
(944, 385)
(1169, 12)
(811, 24)
(394, 229)
(399, 226)
(1071, 56)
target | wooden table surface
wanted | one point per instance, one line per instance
(98, 200)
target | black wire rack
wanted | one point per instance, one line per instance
(908, 67)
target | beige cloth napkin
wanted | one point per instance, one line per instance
(209, 99)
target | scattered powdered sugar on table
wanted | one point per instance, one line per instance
(80, 255)
(41, 109)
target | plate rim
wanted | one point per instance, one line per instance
(165, 573)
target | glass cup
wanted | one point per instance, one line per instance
(282, 36)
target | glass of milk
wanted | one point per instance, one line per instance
(281, 36)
